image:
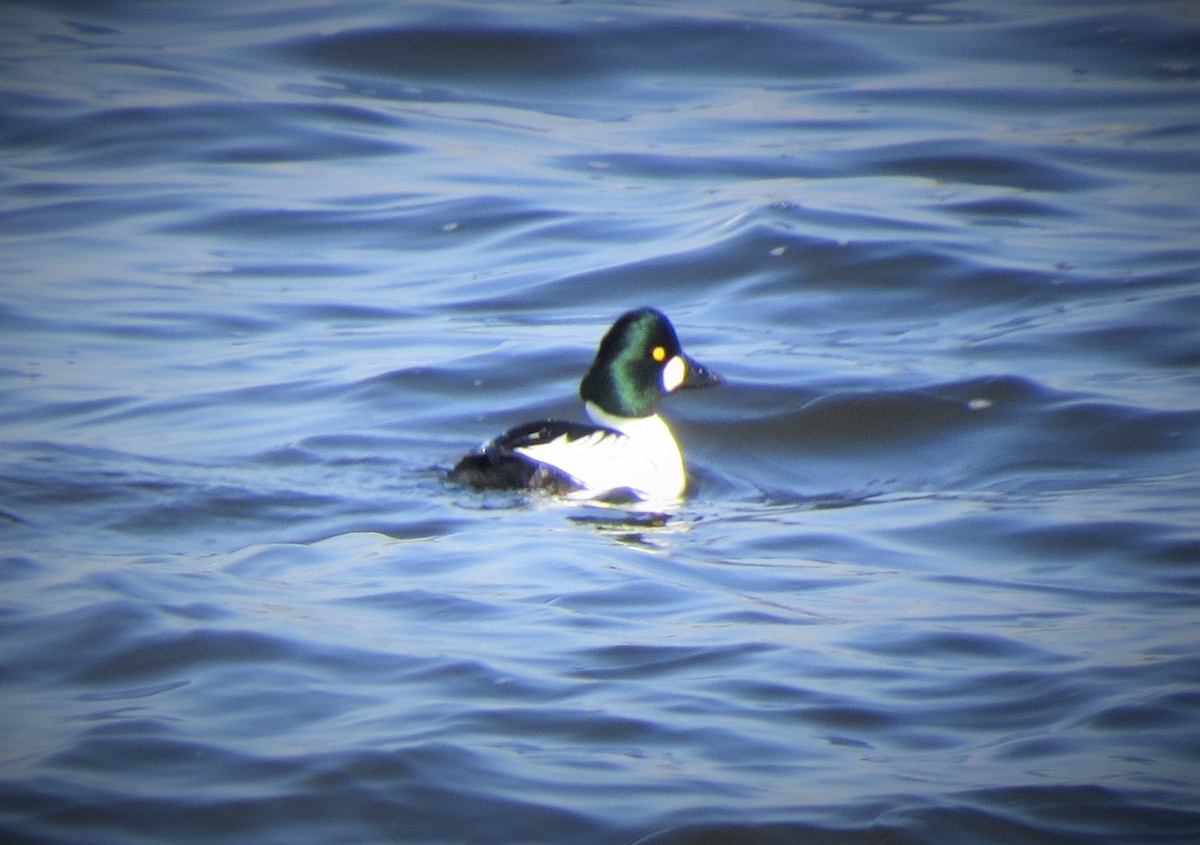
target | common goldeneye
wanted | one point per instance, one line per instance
(629, 452)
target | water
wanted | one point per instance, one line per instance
(270, 267)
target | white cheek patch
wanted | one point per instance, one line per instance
(673, 374)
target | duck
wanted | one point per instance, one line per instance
(627, 453)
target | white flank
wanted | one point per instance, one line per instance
(644, 457)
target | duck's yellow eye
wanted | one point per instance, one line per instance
(659, 354)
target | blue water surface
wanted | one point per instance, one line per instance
(270, 267)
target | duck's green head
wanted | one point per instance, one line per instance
(639, 362)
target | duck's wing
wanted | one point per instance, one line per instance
(528, 457)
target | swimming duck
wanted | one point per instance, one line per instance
(628, 452)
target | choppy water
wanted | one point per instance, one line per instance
(267, 266)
